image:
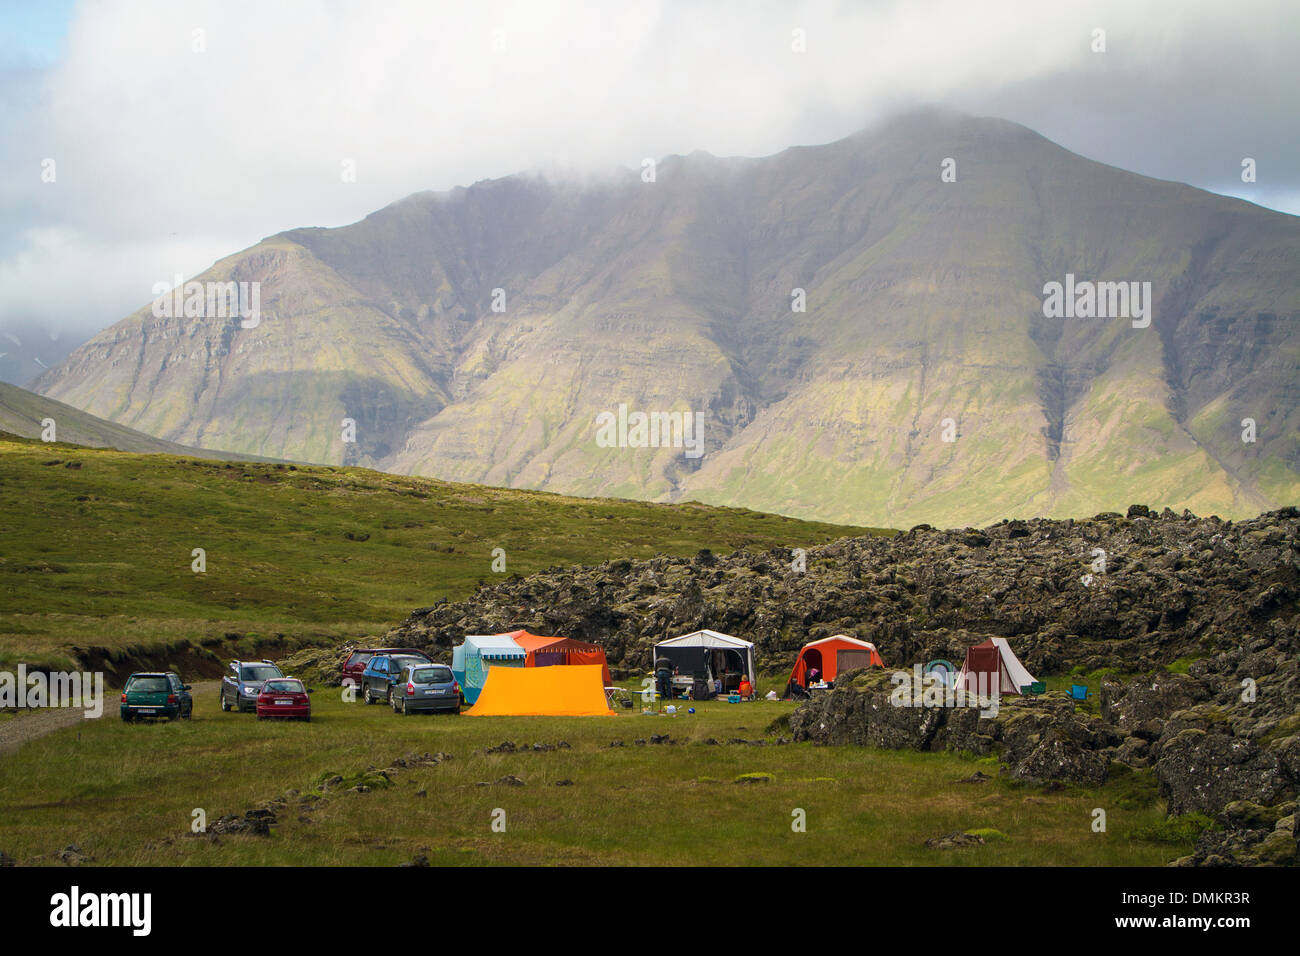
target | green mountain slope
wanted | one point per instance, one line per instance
(924, 320)
(23, 414)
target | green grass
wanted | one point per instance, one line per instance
(126, 795)
(96, 549)
(1180, 830)
(1183, 665)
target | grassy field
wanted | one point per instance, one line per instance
(125, 794)
(95, 562)
(96, 550)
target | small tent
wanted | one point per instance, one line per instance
(546, 651)
(832, 656)
(574, 691)
(992, 668)
(708, 655)
(471, 661)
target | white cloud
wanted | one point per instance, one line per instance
(168, 158)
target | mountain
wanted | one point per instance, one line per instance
(23, 413)
(28, 348)
(925, 321)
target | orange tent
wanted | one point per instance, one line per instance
(830, 656)
(545, 651)
(574, 691)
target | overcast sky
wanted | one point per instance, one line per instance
(173, 148)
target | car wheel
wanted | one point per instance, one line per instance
(126, 718)
(225, 704)
(366, 696)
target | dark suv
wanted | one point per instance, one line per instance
(243, 682)
(156, 694)
(360, 657)
(383, 671)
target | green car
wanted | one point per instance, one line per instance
(156, 694)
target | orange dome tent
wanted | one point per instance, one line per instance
(831, 656)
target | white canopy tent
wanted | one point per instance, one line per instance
(691, 653)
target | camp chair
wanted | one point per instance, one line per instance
(1079, 692)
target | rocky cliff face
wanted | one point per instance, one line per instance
(1172, 586)
(1124, 594)
(477, 335)
(1223, 740)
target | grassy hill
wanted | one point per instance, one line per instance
(22, 414)
(96, 551)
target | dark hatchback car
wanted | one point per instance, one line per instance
(243, 682)
(382, 673)
(150, 695)
(428, 688)
(360, 657)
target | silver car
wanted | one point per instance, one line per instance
(428, 687)
(243, 682)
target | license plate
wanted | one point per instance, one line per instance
(284, 702)
(145, 711)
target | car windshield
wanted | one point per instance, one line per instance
(288, 686)
(404, 662)
(259, 672)
(148, 685)
(432, 675)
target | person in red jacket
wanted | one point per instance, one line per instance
(746, 688)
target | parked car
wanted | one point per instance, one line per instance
(383, 671)
(428, 687)
(156, 694)
(243, 682)
(360, 657)
(284, 697)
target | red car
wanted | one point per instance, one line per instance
(357, 660)
(284, 697)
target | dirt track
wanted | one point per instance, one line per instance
(31, 725)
